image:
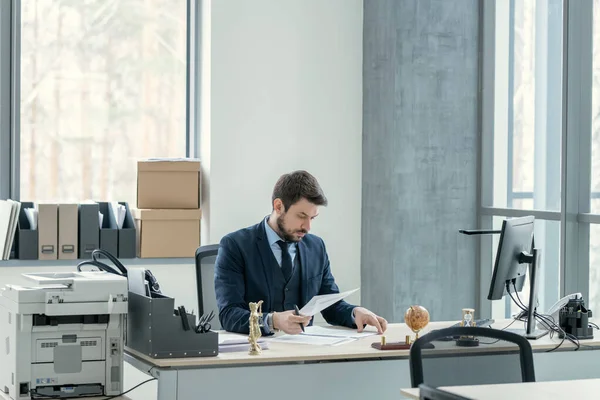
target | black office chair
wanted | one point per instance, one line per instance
(463, 367)
(205, 271)
(431, 393)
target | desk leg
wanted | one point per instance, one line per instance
(167, 384)
(166, 377)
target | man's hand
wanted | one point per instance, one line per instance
(289, 322)
(363, 317)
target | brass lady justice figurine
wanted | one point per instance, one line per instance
(255, 334)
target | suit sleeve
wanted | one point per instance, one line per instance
(339, 313)
(234, 313)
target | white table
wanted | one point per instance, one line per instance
(575, 389)
(353, 370)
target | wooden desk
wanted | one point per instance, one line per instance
(3, 396)
(575, 389)
(334, 372)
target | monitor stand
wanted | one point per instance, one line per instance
(534, 335)
(534, 264)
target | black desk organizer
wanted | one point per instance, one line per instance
(153, 329)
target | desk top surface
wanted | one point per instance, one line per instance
(4, 396)
(359, 349)
(576, 389)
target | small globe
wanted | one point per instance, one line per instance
(416, 318)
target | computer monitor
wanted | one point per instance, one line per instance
(516, 254)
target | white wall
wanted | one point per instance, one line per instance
(286, 94)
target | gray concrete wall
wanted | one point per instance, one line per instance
(420, 149)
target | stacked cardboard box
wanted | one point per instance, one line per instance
(168, 208)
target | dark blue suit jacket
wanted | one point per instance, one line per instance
(243, 274)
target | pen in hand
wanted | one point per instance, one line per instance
(298, 313)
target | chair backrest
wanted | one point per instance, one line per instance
(457, 366)
(430, 393)
(205, 270)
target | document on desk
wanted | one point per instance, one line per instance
(309, 339)
(335, 332)
(230, 342)
(321, 302)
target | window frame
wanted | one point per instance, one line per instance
(10, 70)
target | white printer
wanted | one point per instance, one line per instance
(63, 336)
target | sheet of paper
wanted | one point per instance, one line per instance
(228, 348)
(232, 338)
(16, 208)
(308, 339)
(136, 280)
(32, 217)
(319, 303)
(337, 332)
(5, 222)
(228, 338)
(119, 212)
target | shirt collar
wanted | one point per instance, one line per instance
(272, 236)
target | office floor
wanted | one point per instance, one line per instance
(133, 377)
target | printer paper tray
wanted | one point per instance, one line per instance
(91, 372)
(73, 308)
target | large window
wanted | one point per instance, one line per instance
(595, 167)
(541, 139)
(525, 149)
(102, 84)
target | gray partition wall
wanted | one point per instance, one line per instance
(420, 156)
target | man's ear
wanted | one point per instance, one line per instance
(278, 206)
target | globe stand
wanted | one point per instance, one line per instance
(383, 345)
(416, 318)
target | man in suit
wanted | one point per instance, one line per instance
(279, 262)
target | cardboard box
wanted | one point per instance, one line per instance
(167, 233)
(168, 184)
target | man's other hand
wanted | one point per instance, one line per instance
(289, 322)
(363, 317)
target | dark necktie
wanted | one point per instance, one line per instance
(286, 260)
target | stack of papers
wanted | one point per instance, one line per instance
(9, 217)
(328, 331)
(119, 212)
(314, 340)
(229, 342)
(325, 336)
(118, 215)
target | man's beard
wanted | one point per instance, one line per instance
(288, 237)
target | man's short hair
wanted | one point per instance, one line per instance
(297, 185)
